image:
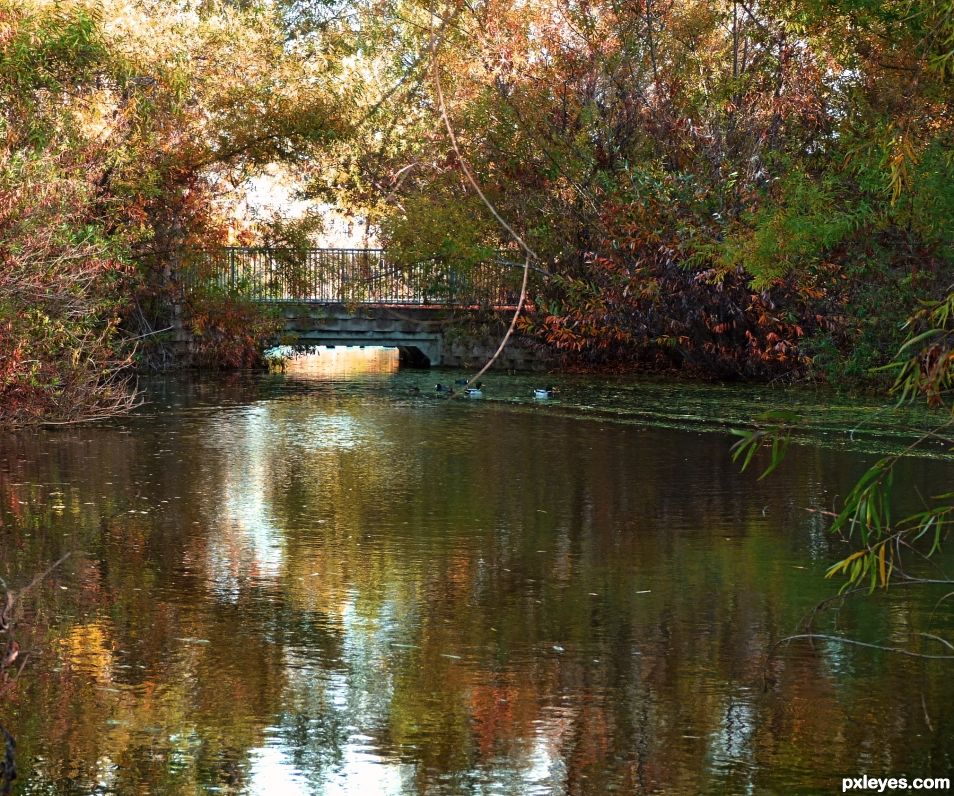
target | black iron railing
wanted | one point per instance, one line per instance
(346, 276)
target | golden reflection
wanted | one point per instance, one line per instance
(343, 362)
(88, 648)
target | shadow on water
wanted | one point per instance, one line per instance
(324, 582)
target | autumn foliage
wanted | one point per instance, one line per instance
(741, 189)
(60, 301)
(64, 285)
(126, 131)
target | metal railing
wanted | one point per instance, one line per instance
(345, 276)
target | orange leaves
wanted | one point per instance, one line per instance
(228, 332)
(635, 304)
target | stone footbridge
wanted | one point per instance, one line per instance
(356, 297)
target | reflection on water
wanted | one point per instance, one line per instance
(316, 586)
(343, 362)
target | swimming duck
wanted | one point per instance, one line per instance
(461, 382)
(544, 393)
(442, 388)
(475, 391)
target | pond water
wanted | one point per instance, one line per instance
(324, 582)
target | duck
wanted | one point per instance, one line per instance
(544, 392)
(461, 382)
(444, 389)
(475, 391)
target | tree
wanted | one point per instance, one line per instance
(128, 131)
(61, 277)
(924, 363)
(727, 188)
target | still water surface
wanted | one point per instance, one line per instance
(323, 582)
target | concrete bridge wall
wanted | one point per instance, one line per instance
(425, 336)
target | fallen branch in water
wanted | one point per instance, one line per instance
(868, 645)
(12, 600)
(13, 595)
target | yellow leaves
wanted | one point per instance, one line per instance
(876, 564)
(845, 563)
(901, 160)
(7, 31)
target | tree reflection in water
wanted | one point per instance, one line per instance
(330, 590)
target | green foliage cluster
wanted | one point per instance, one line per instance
(457, 233)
